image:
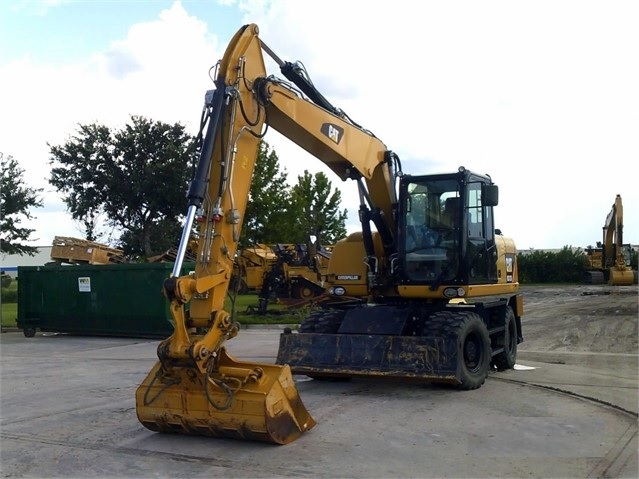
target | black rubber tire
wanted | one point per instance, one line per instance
(302, 288)
(322, 321)
(329, 322)
(309, 322)
(302, 291)
(306, 292)
(508, 358)
(473, 347)
(29, 332)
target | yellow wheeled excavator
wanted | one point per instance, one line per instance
(427, 290)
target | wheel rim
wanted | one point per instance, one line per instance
(472, 352)
(306, 293)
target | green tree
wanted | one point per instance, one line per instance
(315, 210)
(266, 215)
(17, 199)
(136, 178)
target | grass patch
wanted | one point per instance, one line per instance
(9, 314)
(246, 307)
(9, 305)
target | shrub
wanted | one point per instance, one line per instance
(565, 266)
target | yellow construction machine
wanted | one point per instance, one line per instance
(283, 270)
(610, 260)
(289, 274)
(253, 263)
(427, 291)
(298, 272)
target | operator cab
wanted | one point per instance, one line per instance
(446, 229)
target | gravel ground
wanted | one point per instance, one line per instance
(581, 318)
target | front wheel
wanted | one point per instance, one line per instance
(473, 347)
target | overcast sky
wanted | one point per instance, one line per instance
(542, 95)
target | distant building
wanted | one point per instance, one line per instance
(9, 262)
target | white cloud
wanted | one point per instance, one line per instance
(542, 96)
(38, 7)
(158, 71)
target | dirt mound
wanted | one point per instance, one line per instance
(581, 318)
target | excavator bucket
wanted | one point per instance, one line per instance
(621, 277)
(257, 402)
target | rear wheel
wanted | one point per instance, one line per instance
(507, 358)
(473, 347)
(303, 291)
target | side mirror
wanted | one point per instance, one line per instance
(490, 195)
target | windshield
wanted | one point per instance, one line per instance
(433, 211)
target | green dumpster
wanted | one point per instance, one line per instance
(95, 300)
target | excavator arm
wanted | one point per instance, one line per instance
(217, 198)
(196, 386)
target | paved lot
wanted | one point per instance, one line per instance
(68, 410)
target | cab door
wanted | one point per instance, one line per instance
(481, 253)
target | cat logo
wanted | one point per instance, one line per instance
(333, 132)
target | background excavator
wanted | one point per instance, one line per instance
(610, 260)
(283, 270)
(252, 263)
(426, 291)
(289, 274)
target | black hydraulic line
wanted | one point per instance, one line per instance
(387, 236)
(198, 186)
(295, 73)
(376, 215)
(367, 234)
